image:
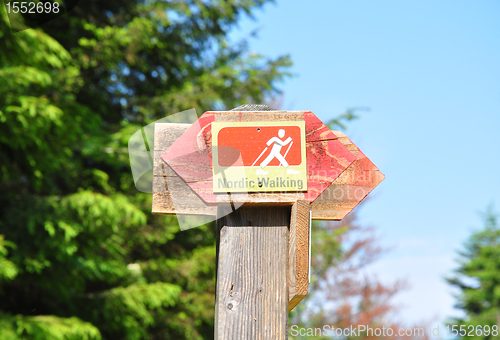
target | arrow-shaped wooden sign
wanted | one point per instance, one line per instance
(274, 170)
(334, 203)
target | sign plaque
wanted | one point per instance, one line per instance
(259, 157)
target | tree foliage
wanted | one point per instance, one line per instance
(81, 256)
(477, 279)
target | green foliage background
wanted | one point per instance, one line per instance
(477, 279)
(81, 256)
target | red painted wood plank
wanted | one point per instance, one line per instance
(349, 189)
(326, 160)
(189, 156)
(316, 130)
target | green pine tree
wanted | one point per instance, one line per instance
(478, 281)
(81, 256)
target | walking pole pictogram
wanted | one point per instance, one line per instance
(286, 153)
(259, 156)
(276, 150)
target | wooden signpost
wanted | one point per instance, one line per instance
(264, 174)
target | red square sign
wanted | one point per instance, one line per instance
(251, 141)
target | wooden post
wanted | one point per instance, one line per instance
(252, 272)
(252, 293)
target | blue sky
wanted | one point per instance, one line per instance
(430, 73)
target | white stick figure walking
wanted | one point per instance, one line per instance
(276, 150)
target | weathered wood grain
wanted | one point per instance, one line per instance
(257, 116)
(252, 295)
(298, 253)
(189, 156)
(171, 195)
(350, 188)
(167, 133)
